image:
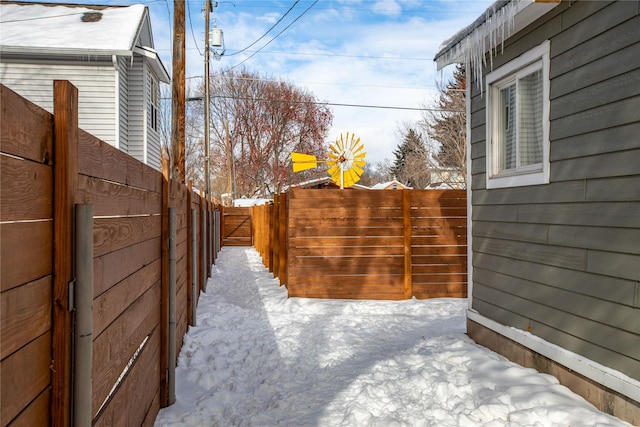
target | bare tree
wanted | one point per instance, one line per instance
(256, 122)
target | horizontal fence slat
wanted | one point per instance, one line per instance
(26, 190)
(110, 304)
(25, 314)
(338, 242)
(341, 290)
(115, 266)
(24, 375)
(111, 234)
(112, 199)
(96, 159)
(139, 391)
(380, 222)
(27, 130)
(440, 290)
(113, 350)
(33, 260)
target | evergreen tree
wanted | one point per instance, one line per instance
(410, 166)
(446, 124)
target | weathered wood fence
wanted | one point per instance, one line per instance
(48, 166)
(388, 244)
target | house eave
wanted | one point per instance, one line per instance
(457, 48)
(155, 63)
(21, 51)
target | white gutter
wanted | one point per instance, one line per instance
(116, 107)
(72, 52)
(469, 194)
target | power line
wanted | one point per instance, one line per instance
(267, 32)
(277, 35)
(320, 83)
(332, 104)
(193, 34)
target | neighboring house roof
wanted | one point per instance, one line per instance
(56, 30)
(501, 20)
(390, 185)
(325, 182)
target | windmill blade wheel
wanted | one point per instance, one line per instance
(346, 160)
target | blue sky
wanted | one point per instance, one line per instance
(356, 52)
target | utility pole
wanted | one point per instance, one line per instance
(178, 97)
(207, 12)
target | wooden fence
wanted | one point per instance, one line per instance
(360, 244)
(47, 167)
(236, 226)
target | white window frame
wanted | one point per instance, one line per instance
(530, 61)
(154, 104)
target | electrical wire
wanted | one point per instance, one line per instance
(267, 32)
(193, 34)
(332, 104)
(277, 35)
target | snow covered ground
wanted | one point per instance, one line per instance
(256, 358)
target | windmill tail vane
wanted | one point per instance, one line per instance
(345, 160)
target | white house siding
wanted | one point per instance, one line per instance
(123, 110)
(137, 114)
(153, 136)
(96, 91)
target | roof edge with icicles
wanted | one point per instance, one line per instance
(488, 33)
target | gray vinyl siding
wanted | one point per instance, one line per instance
(562, 260)
(95, 83)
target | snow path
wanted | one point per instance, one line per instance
(256, 358)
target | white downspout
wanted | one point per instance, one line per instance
(469, 177)
(116, 112)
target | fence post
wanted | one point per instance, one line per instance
(164, 303)
(203, 244)
(65, 170)
(171, 375)
(190, 254)
(406, 213)
(83, 301)
(194, 265)
(284, 238)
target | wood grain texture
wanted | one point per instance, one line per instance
(23, 376)
(25, 314)
(27, 130)
(364, 244)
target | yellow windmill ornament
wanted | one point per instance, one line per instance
(346, 160)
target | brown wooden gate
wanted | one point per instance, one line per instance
(236, 226)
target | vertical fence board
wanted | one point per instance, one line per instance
(65, 107)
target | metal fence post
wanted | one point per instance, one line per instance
(83, 299)
(194, 266)
(171, 377)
